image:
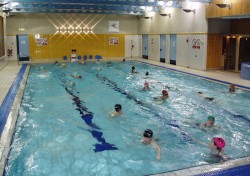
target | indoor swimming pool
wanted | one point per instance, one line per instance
(64, 125)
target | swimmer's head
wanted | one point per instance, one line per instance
(164, 92)
(210, 118)
(118, 107)
(80, 77)
(146, 73)
(146, 84)
(148, 133)
(200, 93)
(232, 88)
(133, 67)
(219, 142)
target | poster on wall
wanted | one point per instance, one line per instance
(113, 41)
(41, 41)
(113, 26)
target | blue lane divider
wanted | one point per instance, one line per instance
(87, 116)
(9, 99)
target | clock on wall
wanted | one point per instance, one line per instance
(113, 26)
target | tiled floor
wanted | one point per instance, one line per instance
(9, 72)
(7, 76)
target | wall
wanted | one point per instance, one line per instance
(179, 22)
(48, 23)
(11, 46)
(185, 26)
(154, 47)
(191, 51)
(238, 8)
(215, 58)
(87, 33)
(133, 46)
(92, 44)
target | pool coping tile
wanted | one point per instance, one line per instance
(8, 131)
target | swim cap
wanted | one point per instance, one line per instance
(80, 76)
(118, 107)
(211, 118)
(164, 92)
(133, 68)
(220, 143)
(146, 83)
(148, 133)
(147, 73)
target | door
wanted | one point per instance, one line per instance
(173, 49)
(23, 48)
(163, 48)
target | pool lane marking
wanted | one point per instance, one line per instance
(103, 145)
(173, 123)
(9, 98)
(243, 117)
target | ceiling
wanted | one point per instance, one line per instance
(132, 7)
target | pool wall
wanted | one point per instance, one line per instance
(10, 108)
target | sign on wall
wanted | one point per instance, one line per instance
(113, 26)
(41, 41)
(196, 43)
(113, 40)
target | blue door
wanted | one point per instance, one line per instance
(23, 47)
(163, 48)
(145, 46)
(173, 49)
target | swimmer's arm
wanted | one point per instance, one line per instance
(202, 126)
(112, 114)
(224, 156)
(158, 150)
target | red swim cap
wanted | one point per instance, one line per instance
(220, 143)
(164, 92)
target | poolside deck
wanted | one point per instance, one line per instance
(9, 72)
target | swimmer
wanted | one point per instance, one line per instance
(146, 74)
(216, 145)
(118, 111)
(56, 63)
(146, 86)
(63, 65)
(205, 97)
(82, 62)
(148, 139)
(109, 63)
(78, 77)
(232, 88)
(163, 97)
(209, 124)
(123, 60)
(133, 70)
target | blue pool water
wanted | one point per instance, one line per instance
(64, 126)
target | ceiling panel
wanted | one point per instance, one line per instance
(132, 7)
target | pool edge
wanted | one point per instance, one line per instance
(8, 131)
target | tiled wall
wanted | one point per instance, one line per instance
(214, 51)
(59, 45)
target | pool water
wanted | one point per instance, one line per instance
(64, 127)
